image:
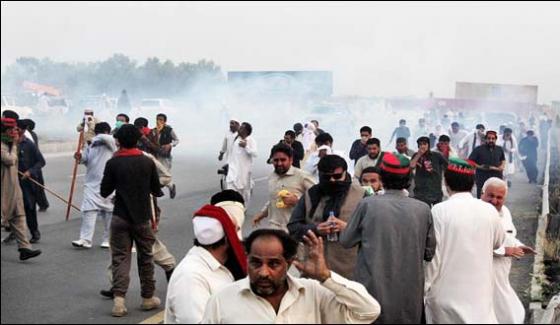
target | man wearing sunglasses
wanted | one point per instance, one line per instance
(326, 208)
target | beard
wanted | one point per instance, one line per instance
(267, 287)
(280, 170)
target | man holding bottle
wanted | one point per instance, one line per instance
(326, 208)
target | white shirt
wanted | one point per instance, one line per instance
(227, 146)
(509, 147)
(313, 161)
(241, 164)
(335, 301)
(509, 309)
(95, 158)
(194, 281)
(29, 136)
(468, 142)
(456, 138)
(364, 163)
(460, 280)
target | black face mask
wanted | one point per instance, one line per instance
(336, 187)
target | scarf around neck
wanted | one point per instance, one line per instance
(124, 152)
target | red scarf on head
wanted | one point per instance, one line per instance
(124, 152)
(221, 215)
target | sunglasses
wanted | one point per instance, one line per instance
(328, 177)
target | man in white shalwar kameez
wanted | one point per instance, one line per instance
(459, 280)
(94, 158)
(244, 150)
(229, 138)
(509, 309)
(508, 142)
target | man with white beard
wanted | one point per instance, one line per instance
(459, 283)
(508, 307)
(244, 150)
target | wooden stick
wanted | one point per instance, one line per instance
(50, 191)
(154, 217)
(74, 172)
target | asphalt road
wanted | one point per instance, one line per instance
(62, 285)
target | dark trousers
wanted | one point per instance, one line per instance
(531, 169)
(123, 233)
(430, 202)
(42, 201)
(479, 185)
(29, 191)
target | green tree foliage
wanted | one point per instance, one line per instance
(154, 78)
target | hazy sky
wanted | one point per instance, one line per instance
(383, 49)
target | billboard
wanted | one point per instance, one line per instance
(282, 83)
(527, 94)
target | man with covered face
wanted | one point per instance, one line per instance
(490, 161)
(326, 208)
(286, 185)
(270, 295)
(429, 168)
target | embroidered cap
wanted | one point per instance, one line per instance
(395, 164)
(460, 166)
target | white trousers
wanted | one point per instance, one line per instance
(88, 224)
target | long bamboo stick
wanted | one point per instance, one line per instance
(74, 172)
(50, 191)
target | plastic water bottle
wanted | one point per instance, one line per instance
(333, 236)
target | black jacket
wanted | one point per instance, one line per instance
(133, 178)
(30, 158)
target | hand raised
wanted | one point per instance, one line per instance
(315, 266)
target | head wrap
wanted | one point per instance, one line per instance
(237, 263)
(207, 230)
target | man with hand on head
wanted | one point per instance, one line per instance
(271, 295)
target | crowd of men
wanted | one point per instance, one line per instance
(396, 236)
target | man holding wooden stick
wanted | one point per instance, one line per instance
(13, 212)
(30, 162)
(94, 158)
